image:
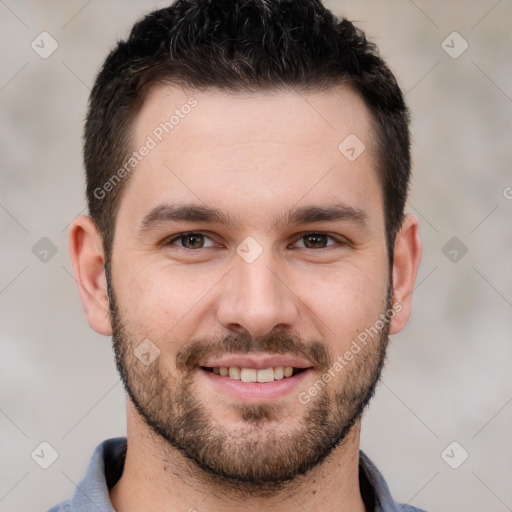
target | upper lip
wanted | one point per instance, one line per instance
(258, 362)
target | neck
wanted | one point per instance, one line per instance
(160, 478)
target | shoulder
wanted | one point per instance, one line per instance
(104, 469)
(380, 499)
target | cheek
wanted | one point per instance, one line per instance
(160, 296)
(344, 301)
(165, 301)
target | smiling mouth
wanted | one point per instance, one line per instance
(254, 375)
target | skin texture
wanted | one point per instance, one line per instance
(254, 157)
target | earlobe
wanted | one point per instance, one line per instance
(88, 259)
(406, 261)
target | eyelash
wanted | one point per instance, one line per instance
(336, 239)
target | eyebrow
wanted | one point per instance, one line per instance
(166, 213)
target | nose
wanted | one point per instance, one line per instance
(257, 297)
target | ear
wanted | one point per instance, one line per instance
(406, 261)
(88, 259)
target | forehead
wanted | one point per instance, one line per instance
(252, 151)
(281, 117)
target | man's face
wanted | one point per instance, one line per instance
(288, 275)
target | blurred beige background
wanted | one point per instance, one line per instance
(448, 377)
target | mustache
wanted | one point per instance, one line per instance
(276, 342)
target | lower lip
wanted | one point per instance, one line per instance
(254, 391)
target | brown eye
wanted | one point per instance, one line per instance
(316, 241)
(192, 241)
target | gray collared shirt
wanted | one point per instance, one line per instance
(107, 463)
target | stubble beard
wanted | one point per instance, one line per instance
(259, 453)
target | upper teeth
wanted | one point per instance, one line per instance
(253, 375)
